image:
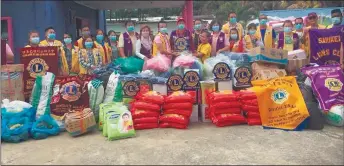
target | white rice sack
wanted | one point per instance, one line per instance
(96, 95)
(111, 87)
(335, 115)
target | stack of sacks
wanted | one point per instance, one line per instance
(224, 109)
(249, 104)
(146, 110)
(176, 110)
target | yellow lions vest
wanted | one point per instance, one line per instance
(248, 41)
(64, 68)
(83, 52)
(163, 42)
(226, 29)
(267, 37)
(102, 52)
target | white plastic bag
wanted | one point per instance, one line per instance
(210, 63)
(111, 87)
(14, 106)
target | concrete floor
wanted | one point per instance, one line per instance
(200, 144)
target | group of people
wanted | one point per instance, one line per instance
(90, 52)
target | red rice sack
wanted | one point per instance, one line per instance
(172, 125)
(184, 106)
(145, 106)
(250, 108)
(252, 102)
(226, 111)
(255, 115)
(143, 89)
(153, 97)
(235, 118)
(174, 118)
(253, 121)
(152, 119)
(142, 126)
(247, 95)
(222, 96)
(186, 113)
(224, 105)
(135, 113)
(179, 97)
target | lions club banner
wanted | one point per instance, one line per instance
(325, 45)
(37, 61)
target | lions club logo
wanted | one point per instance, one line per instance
(221, 71)
(37, 67)
(333, 84)
(180, 44)
(131, 88)
(191, 79)
(280, 96)
(70, 91)
(243, 75)
(175, 82)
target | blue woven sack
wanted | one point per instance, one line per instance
(45, 126)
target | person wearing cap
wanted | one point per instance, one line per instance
(232, 23)
(265, 32)
(161, 43)
(181, 39)
(127, 40)
(336, 17)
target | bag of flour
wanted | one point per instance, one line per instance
(96, 94)
(111, 87)
(41, 94)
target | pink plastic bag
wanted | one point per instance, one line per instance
(159, 63)
(184, 60)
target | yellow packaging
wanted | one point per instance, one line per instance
(207, 86)
(280, 101)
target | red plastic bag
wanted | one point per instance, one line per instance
(143, 89)
(193, 94)
(174, 118)
(226, 111)
(250, 108)
(247, 95)
(224, 105)
(141, 113)
(142, 126)
(146, 120)
(172, 125)
(186, 113)
(222, 96)
(255, 115)
(183, 106)
(179, 97)
(252, 121)
(145, 106)
(153, 97)
(252, 102)
(235, 118)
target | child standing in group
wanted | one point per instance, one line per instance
(203, 49)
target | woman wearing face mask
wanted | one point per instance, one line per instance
(113, 44)
(144, 44)
(288, 40)
(33, 39)
(218, 39)
(197, 31)
(251, 39)
(71, 54)
(235, 44)
(127, 40)
(89, 57)
(104, 48)
(181, 39)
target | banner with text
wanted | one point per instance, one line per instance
(325, 45)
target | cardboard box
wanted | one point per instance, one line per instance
(204, 118)
(161, 88)
(206, 86)
(268, 74)
(294, 64)
(297, 54)
(271, 55)
(12, 85)
(224, 85)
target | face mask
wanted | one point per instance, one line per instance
(163, 30)
(99, 38)
(113, 38)
(88, 44)
(335, 20)
(287, 29)
(197, 27)
(298, 26)
(251, 32)
(234, 36)
(232, 20)
(86, 33)
(130, 28)
(181, 26)
(67, 40)
(34, 40)
(51, 36)
(145, 34)
(263, 21)
(216, 28)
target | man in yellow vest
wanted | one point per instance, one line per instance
(85, 32)
(336, 17)
(266, 33)
(161, 43)
(299, 31)
(232, 23)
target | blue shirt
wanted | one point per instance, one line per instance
(262, 31)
